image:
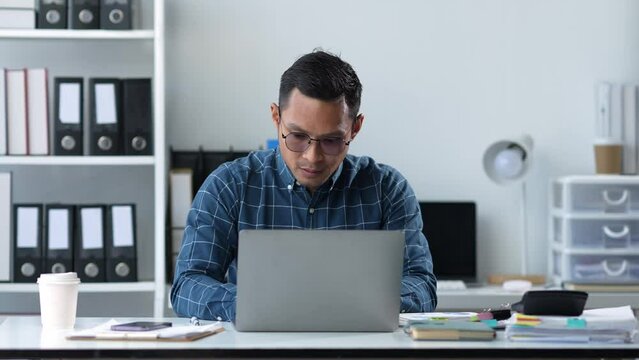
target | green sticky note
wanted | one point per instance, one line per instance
(492, 323)
(576, 323)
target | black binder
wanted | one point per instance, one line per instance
(69, 116)
(137, 116)
(89, 243)
(115, 15)
(105, 110)
(121, 254)
(52, 14)
(27, 242)
(84, 14)
(58, 240)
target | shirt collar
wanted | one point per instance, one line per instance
(288, 178)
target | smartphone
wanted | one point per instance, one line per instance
(140, 326)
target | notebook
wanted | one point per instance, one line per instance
(450, 330)
(319, 280)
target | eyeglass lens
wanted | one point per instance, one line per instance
(300, 142)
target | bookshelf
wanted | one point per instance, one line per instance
(39, 34)
(78, 160)
(99, 179)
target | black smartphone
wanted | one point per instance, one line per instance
(141, 326)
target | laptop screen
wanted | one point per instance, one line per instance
(450, 228)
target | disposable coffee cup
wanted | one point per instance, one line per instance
(58, 300)
(608, 156)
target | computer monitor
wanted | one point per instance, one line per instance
(451, 231)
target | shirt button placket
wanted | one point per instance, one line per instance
(309, 218)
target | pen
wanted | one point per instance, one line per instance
(195, 321)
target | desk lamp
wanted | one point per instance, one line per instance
(506, 162)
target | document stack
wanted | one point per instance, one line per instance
(605, 325)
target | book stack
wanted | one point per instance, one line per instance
(449, 330)
(605, 325)
(17, 14)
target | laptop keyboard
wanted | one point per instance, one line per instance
(451, 285)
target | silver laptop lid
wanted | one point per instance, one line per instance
(319, 280)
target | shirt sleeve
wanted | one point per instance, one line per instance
(208, 248)
(418, 291)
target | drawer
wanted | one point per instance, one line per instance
(596, 233)
(587, 268)
(599, 194)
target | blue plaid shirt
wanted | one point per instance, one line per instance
(260, 192)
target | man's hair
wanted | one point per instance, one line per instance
(324, 76)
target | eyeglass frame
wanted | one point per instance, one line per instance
(310, 139)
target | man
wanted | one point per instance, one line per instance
(308, 182)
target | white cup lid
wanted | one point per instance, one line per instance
(68, 277)
(608, 141)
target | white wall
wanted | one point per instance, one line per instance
(442, 80)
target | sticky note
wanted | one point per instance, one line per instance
(576, 323)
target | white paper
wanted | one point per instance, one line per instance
(122, 217)
(103, 331)
(27, 231)
(617, 324)
(58, 229)
(92, 228)
(105, 105)
(69, 103)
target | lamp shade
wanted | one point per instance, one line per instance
(508, 161)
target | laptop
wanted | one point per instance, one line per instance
(319, 280)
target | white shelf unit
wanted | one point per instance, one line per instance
(46, 48)
(140, 286)
(78, 160)
(593, 229)
(77, 34)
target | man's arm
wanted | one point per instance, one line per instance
(208, 247)
(418, 293)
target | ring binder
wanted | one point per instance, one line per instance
(58, 247)
(68, 122)
(121, 254)
(105, 124)
(27, 245)
(89, 244)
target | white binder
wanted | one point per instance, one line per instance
(38, 110)
(3, 113)
(17, 112)
(5, 226)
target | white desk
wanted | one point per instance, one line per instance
(22, 337)
(485, 297)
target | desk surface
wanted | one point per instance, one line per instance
(22, 337)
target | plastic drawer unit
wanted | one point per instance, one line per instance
(593, 229)
(590, 267)
(597, 194)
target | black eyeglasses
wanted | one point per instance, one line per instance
(300, 142)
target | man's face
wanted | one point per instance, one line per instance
(319, 120)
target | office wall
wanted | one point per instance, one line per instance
(442, 80)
